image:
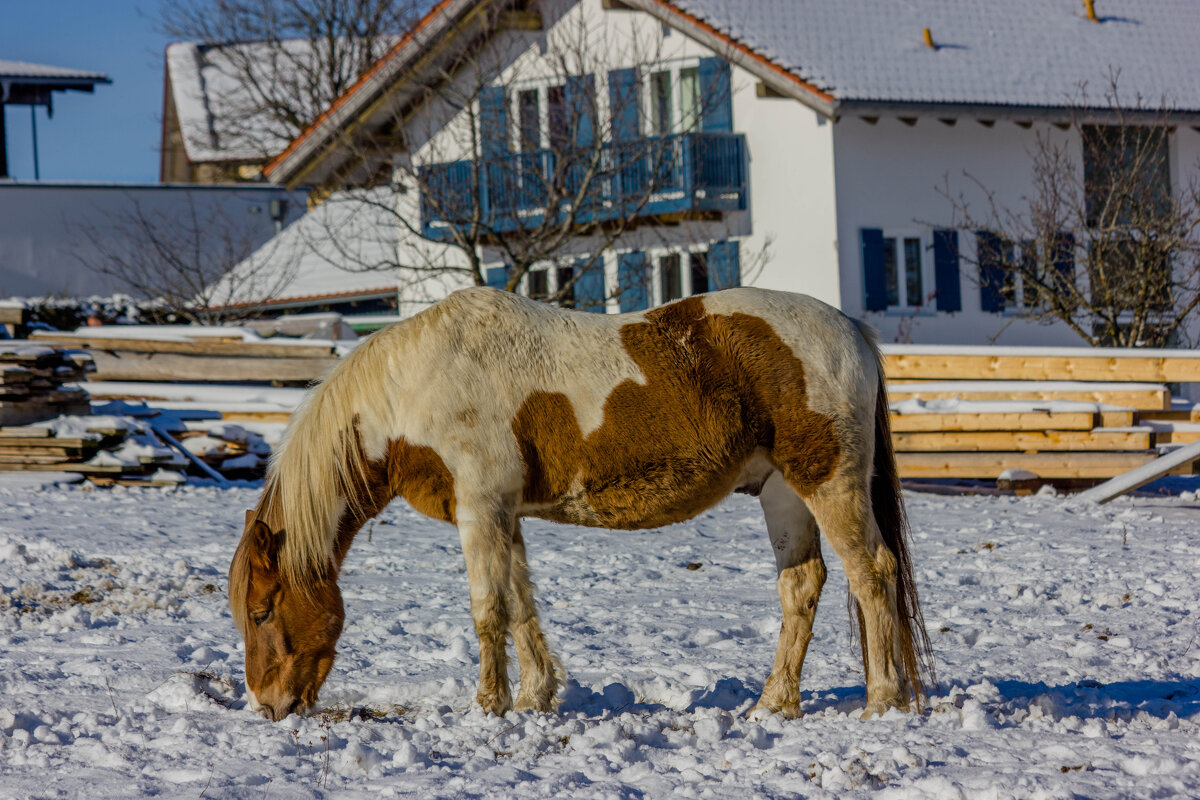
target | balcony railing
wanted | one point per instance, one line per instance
(647, 177)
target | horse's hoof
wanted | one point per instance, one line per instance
(543, 705)
(494, 705)
(880, 707)
(761, 711)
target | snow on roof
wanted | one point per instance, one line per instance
(988, 52)
(323, 254)
(41, 73)
(211, 106)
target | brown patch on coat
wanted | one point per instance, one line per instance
(418, 474)
(717, 389)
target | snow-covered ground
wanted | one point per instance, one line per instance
(1067, 643)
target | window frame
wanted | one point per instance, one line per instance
(928, 304)
(674, 68)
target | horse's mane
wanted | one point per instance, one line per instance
(319, 471)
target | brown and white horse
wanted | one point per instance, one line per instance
(489, 407)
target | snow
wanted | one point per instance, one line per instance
(1038, 351)
(955, 405)
(1066, 640)
(1011, 53)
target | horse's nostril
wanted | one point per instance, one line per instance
(295, 706)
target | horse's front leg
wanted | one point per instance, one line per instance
(539, 680)
(796, 543)
(486, 533)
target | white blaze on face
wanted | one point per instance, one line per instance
(254, 704)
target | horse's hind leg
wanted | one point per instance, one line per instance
(486, 534)
(842, 507)
(797, 546)
(539, 682)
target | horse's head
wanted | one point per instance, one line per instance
(289, 630)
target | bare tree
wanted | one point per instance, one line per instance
(1104, 243)
(283, 62)
(182, 257)
(541, 161)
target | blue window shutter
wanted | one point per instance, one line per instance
(497, 277)
(715, 98)
(493, 122)
(945, 271)
(991, 274)
(579, 96)
(724, 266)
(589, 286)
(624, 105)
(1063, 260)
(874, 276)
(633, 281)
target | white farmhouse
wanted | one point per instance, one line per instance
(817, 138)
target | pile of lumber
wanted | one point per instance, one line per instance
(97, 446)
(1063, 414)
(177, 353)
(35, 383)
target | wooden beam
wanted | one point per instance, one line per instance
(989, 466)
(995, 441)
(197, 346)
(1174, 463)
(1143, 369)
(514, 20)
(200, 369)
(766, 90)
(1022, 421)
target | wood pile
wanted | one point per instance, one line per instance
(201, 357)
(88, 445)
(34, 383)
(1054, 413)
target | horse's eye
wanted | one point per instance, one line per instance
(261, 617)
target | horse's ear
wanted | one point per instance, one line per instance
(264, 555)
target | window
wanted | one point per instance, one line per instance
(1122, 268)
(904, 271)
(670, 273)
(1016, 292)
(538, 283)
(529, 120)
(699, 272)
(661, 102)
(564, 277)
(1126, 173)
(556, 118)
(675, 101)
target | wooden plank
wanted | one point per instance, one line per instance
(1175, 462)
(195, 347)
(13, 315)
(1176, 437)
(76, 466)
(961, 441)
(200, 369)
(1174, 415)
(1152, 369)
(256, 416)
(988, 466)
(1149, 399)
(1023, 421)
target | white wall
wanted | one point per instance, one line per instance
(42, 227)
(888, 175)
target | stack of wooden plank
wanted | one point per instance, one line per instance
(1057, 413)
(88, 445)
(175, 354)
(35, 383)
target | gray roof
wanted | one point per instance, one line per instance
(1027, 53)
(24, 72)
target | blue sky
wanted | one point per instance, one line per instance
(112, 134)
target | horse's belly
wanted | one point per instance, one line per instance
(651, 497)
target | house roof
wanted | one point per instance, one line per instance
(1023, 53)
(1028, 56)
(302, 261)
(22, 82)
(209, 99)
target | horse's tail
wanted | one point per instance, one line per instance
(887, 504)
